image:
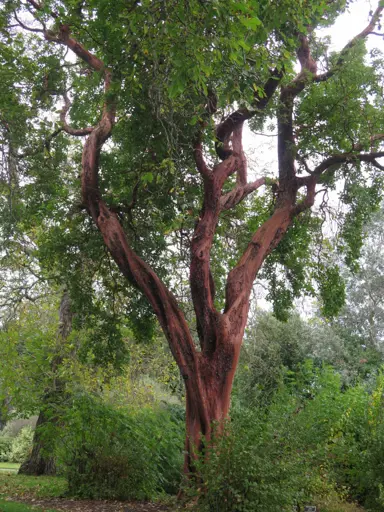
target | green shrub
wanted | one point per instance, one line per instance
(309, 446)
(251, 468)
(357, 446)
(21, 445)
(109, 453)
(5, 448)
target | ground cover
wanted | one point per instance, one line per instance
(46, 493)
(8, 506)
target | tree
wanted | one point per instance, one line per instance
(363, 314)
(162, 91)
(42, 458)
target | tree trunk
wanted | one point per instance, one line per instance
(4, 409)
(42, 458)
(208, 399)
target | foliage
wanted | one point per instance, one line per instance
(150, 379)
(16, 449)
(363, 314)
(271, 348)
(21, 445)
(123, 454)
(166, 60)
(5, 448)
(13, 427)
(315, 443)
(27, 346)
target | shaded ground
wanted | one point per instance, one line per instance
(45, 493)
(64, 505)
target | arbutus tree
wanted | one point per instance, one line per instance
(170, 86)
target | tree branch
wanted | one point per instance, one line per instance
(309, 198)
(241, 277)
(201, 281)
(132, 266)
(79, 132)
(235, 196)
(25, 27)
(346, 157)
(225, 128)
(238, 151)
(286, 146)
(201, 165)
(363, 34)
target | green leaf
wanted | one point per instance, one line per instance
(251, 23)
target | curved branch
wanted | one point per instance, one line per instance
(346, 157)
(363, 34)
(309, 198)
(235, 196)
(201, 165)
(225, 128)
(25, 27)
(376, 164)
(79, 132)
(132, 266)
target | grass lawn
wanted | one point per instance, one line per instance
(7, 506)
(12, 486)
(9, 466)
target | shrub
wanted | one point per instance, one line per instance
(251, 467)
(21, 445)
(303, 449)
(109, 453)
(5, 448)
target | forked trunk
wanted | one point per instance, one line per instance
(208, 400)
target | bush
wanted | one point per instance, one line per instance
(21, 445)
(5, 448)
(109, 453)
(251, 467)
(314, 444)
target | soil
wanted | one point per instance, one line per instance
(63, 505)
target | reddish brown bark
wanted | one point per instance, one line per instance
(208, 371)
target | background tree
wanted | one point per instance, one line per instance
(171, 87)
(42, 458)
(363, 313)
